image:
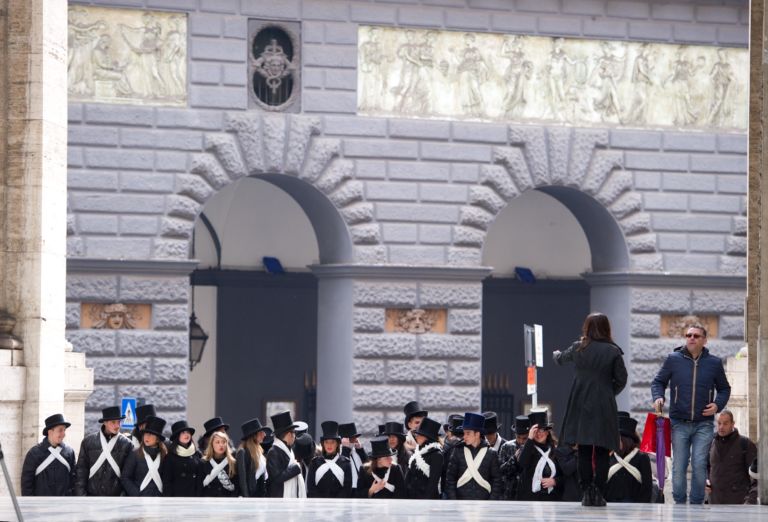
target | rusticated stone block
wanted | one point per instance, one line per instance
(732, 327)
(171, 249)
(369, 320)
(465, 321)
(458, 295)
(103, 396)
(464, 373)
(640, 399)
(455, 397)
(415, 372)
(368, 371)
(168, 289)
(647, 262)
(101, 287)
(152, 343)
(644, 325)
(370, 255)
(374, 396)
(170, 397)
(722, 348)
(119, 370)
(367, 422)
(170, 317)
(170, 370)
(385, 294)
(73, 315)
(93, 342)
(660, 300)
(385, 345)
(642, 373)
(458, 256)
(647, 350)
(450, 346)
(718, 301)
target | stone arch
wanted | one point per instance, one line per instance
(285, 150)
(576, 167)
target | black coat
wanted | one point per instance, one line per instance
(134, 471)
(489, 469)
(510, 469)
(448, 446)
(591, 414)
(216, 488)
(329, 486)
(182, 475)
(417, 484)
(403, 456)
(279, 471)
(104, 482)
(246, 475)
(529, 457)
(395, 478)
(567, 459)
(55, 480)
(623, 487)
(347, 452)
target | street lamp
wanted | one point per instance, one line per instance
(197, 340)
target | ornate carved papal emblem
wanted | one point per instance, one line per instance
(115, 316)
(676, 325)
(415, 320)
(274, 66)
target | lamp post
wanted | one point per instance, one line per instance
(197, 340)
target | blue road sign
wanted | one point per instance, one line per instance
(128, 407)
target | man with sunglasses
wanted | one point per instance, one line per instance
(698, 389)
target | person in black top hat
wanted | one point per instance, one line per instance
(381, 428)
(305, 449)
(102, 456)
(540, 475)
(453, 437)
(219, 467)
(142, 413)
(413, 417)
(211, 425)
(352, 449)
(473, 472)
(379, 477)
(269, 439)
(330, 474)
(425, 467)
(396, 434)
(284, 472)
(182, 469)
(251, 461)
(495, 440)
(630, 478)
(142, 474)
(49, 467)
(510, 455)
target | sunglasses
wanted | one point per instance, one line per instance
(695, 336)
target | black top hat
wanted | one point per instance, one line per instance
(304, 447)
(144, 411)
(380, 448)
(394, 428)
(522, 425)
(628, 428)
(491, 422)
(429, 428)
(251, 428)
(269, 439)
(155, 426)
(382, 427)
(457, 421)
(348, 431)
(412, 409)
(283, 422)
(214, 424)
(623, 414)
(178, 427)
(330, 431)
(473, 422)
(54, 420)
(540, 417)
(111, 413)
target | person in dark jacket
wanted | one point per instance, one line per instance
(49, 468)
(425, 468)
(541, 478)
(182, 473)
(283, 471)
(413, 417)
(591, 414)
(495, 440)
(219, 467)
(330, 474)
(453, 437)
(567, 459)
(210, 426)
(102, 456)
(396, 434)
(353, 450)
(379, 477)
(510, 455)
(142, 474)
(698, 389)
(143, 412)
(730, 456)
(251, 461)
(473, 472)
(630, 478)
(304, 449)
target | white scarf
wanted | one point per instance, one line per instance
(538, 473)
(181, 451)
(330, 465)
(389, 487)
(106, 454)
(624, 463)
(497, 445)
(357, 462)
(418, 458)
(262, 469)
(136, 442)
(473, 469)
(295, 487)
(153, 472)
(55, 455)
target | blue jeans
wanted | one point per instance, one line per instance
(690, 440)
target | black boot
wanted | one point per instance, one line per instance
(587, 499)
(597, 497)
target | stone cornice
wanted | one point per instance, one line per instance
(667, 280)
(131, 266)
(395, 272)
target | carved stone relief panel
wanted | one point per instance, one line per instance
(676, 325)
(127, 56)
(495, 77)
(416, 320)
(115, 316)
(274, 65)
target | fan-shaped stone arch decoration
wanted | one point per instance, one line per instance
(554, 159)
(269, 145)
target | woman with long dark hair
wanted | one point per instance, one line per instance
(591, 415)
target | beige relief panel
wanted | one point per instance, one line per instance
(115, 316)
(127, 56)
(496, 77)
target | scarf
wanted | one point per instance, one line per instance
(538, 473)
(55, 455)
(332, 466)
(389, 487)
(181, 451)
(357, 462)
(497, 445)
(294, 487)
(218, 471)
(625, 463)
(418, 458)
(262, 469)
(106, 455)
(153, 472)
(473, 469)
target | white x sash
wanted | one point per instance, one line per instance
(55, 455)
(330, 465)
(473, 469)
(389, 487)
(153, 472)
(106, 455)
(218, 467)
(624, 463)
(538, 473)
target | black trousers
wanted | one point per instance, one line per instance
(586, 475)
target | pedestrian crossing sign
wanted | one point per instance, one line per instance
(128, 409)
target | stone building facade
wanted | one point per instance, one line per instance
(400, 206)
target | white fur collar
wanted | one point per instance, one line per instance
(418, 457)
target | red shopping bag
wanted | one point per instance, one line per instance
(654, 423)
